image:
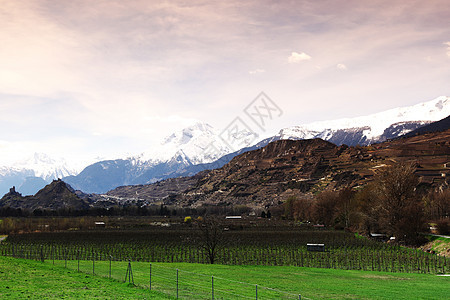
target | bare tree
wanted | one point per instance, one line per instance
(368, 209)
(401, 209)
(325, 207)
(211, 237)
(437, 204)
(303, 209)
(346, 207)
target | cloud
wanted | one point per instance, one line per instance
(448, 48)
(341, 67)
(115, 69)
(298, 57)
(256, 71)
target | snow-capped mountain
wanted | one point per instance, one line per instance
(192, 146)
(45, 167)
(189, 144)
(188, 151)
(32, 173)
(372, 128)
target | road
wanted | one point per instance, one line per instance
(444, 236)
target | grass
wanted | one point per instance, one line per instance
(26, 279)
(440, 244)
(274, 282)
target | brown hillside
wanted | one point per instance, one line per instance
(268, 176)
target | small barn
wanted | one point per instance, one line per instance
(381, 237)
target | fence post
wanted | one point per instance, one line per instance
(150, 276)
(110, 258)
(78, 259)
(212, 287)
(93, 264)
(129, 274)
(65, 258)
(256, 286)
(299, 297)
(177, 283)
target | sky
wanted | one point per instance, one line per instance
(89, 80)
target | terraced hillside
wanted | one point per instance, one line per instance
(284, 168)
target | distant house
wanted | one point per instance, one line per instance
(233, 217)
(100, 224)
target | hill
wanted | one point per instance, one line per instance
(54, 196)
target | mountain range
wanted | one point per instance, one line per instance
(263, 178)
(33, 173)
(185, 153)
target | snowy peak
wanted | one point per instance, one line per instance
(45, 167)
(375, 127)
(185, 135)
(188, 146)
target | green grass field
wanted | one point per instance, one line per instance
(27, 279)
(22, 279)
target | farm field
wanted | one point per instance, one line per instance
(26, 278)
(260, 246)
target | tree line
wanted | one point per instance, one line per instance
(393, 204)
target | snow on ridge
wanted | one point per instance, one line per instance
(433, 110)
(189, 144)
(44, 166)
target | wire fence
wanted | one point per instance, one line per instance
(176, 283)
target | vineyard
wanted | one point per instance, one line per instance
(281, 246)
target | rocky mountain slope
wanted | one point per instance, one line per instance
(284, 168)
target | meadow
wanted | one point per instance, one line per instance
(21, 278)
(27, 279)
